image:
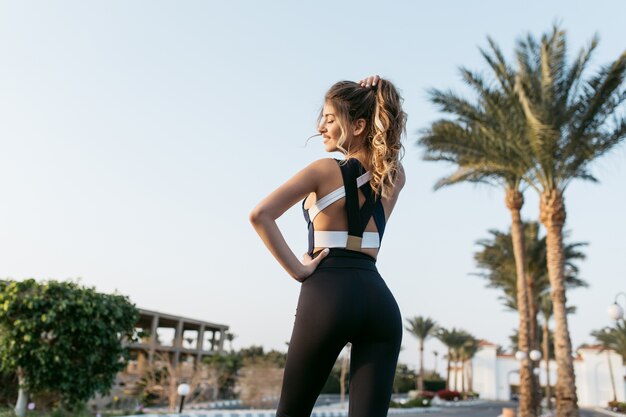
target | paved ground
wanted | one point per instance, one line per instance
(487, 409)
(329, 403)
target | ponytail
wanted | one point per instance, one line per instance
(381, 108)
(386, 150)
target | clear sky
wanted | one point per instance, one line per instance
(136, 136)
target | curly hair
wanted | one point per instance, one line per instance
(381, 108)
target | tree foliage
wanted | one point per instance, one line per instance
(613, 338)
(63, 337)
(497, 264)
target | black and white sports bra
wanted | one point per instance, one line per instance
(355, 238)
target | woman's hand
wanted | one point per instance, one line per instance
(310, 264)
(372, 80)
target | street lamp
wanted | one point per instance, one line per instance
(520, 355)
(535, 355)
(183, 390)
(615, 311)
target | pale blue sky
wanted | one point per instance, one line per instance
(136, 136)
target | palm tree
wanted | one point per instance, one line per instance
(466, 352)
(571, 122)
(422, 328)
(483, 141)
(497, 261)
(451, 339)
(612, 339)
(230, 337)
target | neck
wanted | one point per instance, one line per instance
(362, 157)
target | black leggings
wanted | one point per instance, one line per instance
(345, 300)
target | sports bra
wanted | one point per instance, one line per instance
(355, 238)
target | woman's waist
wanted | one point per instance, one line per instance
(345, 258)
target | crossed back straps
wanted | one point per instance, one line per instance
(354, 177)
(357, 218)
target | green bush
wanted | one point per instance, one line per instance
(416, 402)
(404, 380)
(434, 385)
(617, 406)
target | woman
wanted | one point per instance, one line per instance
(347, 204)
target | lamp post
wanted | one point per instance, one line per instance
(616, 312)
(535, 355)
(183, 390)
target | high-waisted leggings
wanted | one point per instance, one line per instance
(344, 300)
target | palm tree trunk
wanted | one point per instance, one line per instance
(546, 355)
(533, 311)
(608, 358)
(552, 214)
(514, 202)
(448, 373)
(463, 376)
(420, 380)
(456, 371)
(535, 344)
(342, 378)
(471, 376)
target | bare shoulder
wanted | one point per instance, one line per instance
(322, 168)
(323, 164)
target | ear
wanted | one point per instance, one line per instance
(358, 127)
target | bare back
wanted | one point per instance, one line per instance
(333, 217)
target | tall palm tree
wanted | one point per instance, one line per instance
(462, 339)
(467, 351)
(572, 121)
(451, 339)
(436, 360)
(422, 328)
(483, 142)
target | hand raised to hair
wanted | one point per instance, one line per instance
(372, 80)
(310, 264)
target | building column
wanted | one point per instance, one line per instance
(178, 342)
(199, 345)
(222, 337)
(153, 338)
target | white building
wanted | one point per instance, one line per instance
(493, 375)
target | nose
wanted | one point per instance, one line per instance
(321, 127)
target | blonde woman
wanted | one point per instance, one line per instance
(346, 205)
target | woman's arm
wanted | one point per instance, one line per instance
(263, 217)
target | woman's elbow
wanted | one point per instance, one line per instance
(256, 215)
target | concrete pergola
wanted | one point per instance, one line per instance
(202, 338)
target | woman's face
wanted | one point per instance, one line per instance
(329, 128)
